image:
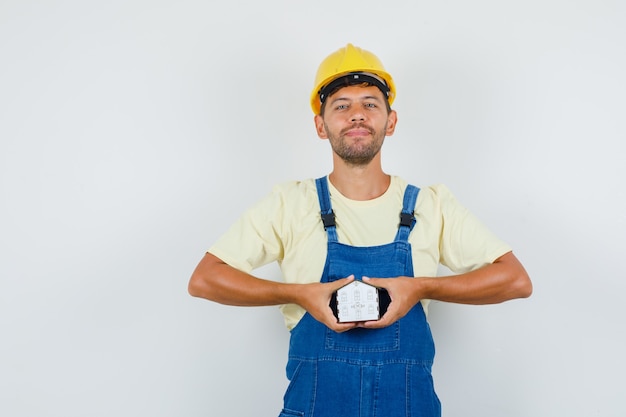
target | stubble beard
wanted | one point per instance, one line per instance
(357, 153)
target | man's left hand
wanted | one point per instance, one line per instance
(404, 293)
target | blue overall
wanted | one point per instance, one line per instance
(363, 372)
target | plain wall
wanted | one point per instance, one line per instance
(132, 133)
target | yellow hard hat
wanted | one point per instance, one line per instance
(350, 65)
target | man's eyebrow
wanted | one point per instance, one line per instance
(372, 98)
(341, 98)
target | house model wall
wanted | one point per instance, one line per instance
(357, 301)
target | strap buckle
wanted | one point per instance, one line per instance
(328, 219)
(407, 219)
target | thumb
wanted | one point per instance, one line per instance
(342, 282)
(373, 281)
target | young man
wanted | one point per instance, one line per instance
(358, 224)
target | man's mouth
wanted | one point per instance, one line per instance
(357, 131)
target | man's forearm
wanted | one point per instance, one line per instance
(217, 281)
(503, 280)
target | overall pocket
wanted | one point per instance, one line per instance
(301, 390)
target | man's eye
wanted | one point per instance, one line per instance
(342, 107)
(370, 105)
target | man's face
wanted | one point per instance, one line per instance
(356, 121)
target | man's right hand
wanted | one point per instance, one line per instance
(315, 299)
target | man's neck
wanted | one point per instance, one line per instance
(360, 182)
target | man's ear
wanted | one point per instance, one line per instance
(392, 120)
(319, 127)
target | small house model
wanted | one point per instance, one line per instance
(357, 301)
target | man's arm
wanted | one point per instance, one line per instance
(502, 280)
(217, 281)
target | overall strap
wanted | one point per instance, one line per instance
(327, 214)
(407, 217)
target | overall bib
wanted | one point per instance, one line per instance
(363, 372)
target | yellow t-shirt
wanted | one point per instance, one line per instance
(286, 227)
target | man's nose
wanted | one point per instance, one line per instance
(357, 115)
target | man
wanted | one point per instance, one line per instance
(358, 224)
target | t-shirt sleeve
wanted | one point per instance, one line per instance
(466, 244)
(254, 239)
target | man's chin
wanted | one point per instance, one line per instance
(357, 160)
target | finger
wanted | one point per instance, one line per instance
(343, 327)
(384, 321)
(342, 282)
(374, 324)
(377, 282)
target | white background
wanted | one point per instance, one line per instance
(132, 133)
